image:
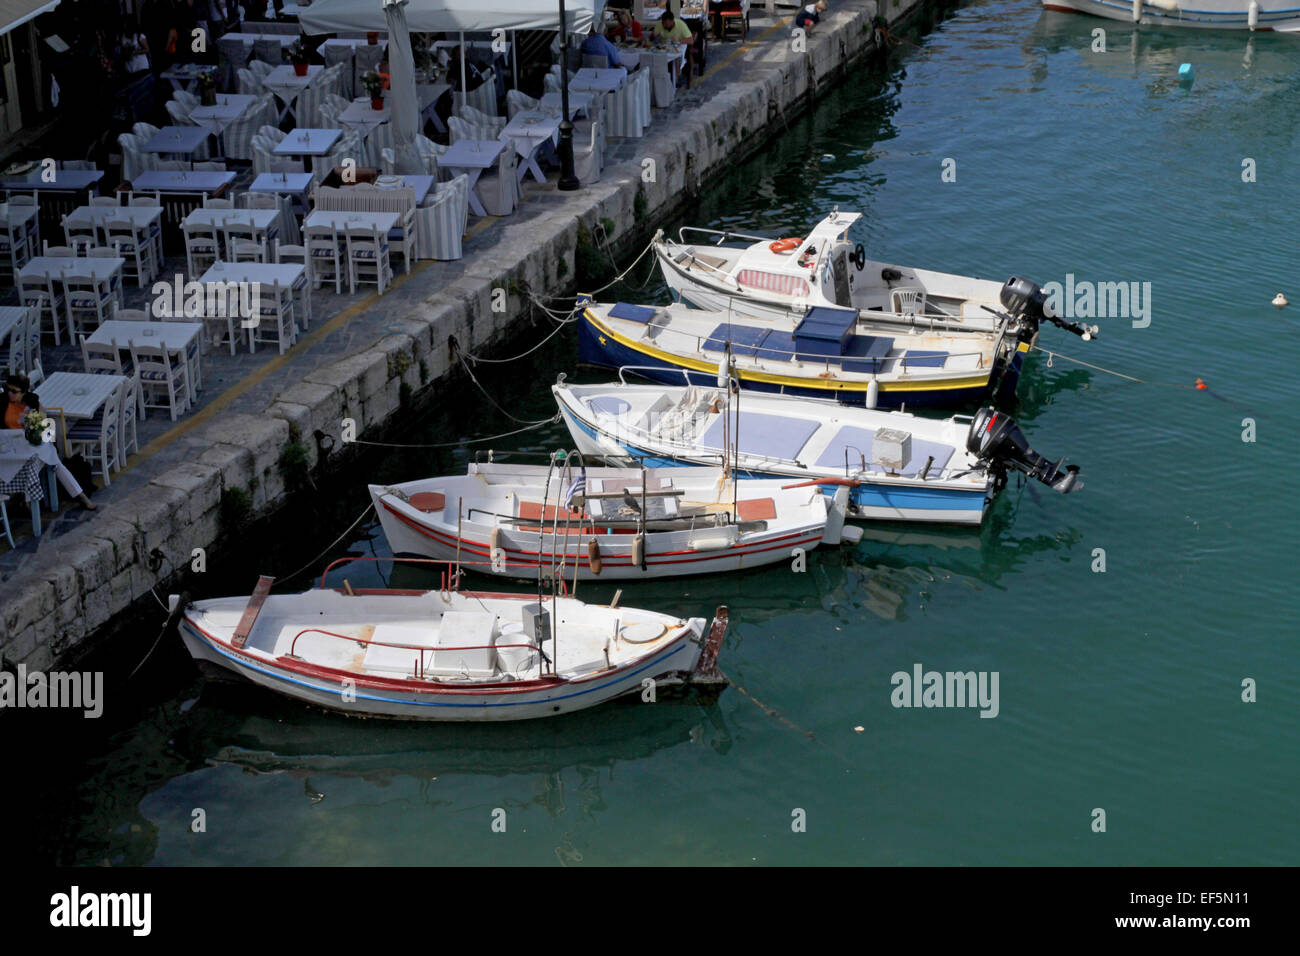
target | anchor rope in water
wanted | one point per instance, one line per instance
(553, 420)
(330, 546)
(1141, 381)
(460, 356)
(617, 278)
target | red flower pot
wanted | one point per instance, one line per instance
(372, 39)
(376, 102)
(300, 69)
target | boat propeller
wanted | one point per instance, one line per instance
(1027, 302)
(996, 440)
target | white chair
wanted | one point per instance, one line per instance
(87, 295)
(250, 84)
(58, 251)
(595, 61)
(134, 244)
(517, 102)
(272, 133)
(101, 359)
(39, 293)
(323, 246)
(402, 238)
(97, 438)
(187, 99)
(238, 136)
(15, 250)
(161, 376)
(13, 349)
(134, 160)
(498, 188)
(79, 236)
(265, 161)
(587, 158)
(907, 301)
(296, 254)
(447, 215)
(128, 440)
(201, 247)
(275, 316)
(253, 200)
(368, 259)
(339, 56)
(379, 139)
(484, 98)
(132, 315)
(193, 355)
(211, 167)
(104, 201)
(210, 203)
(483, 120)
(144, 131)
(268, 50)
(4, 520)
(461, 129)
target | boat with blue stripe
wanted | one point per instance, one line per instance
(899, 467)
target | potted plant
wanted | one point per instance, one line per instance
(34, 426)
(374, 86)
(373, 37)
(298, 57)
(207, 83)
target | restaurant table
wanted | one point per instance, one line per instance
(472, 157)
(177, 141)
(286, 84)
(292, 188)
(80, 395)
(307, 143)
(142, 217)
(175, 337)
(604, 81)
(262, 221)
(65, 180)
(530, 131)
(228, 108)
(361, 116)
(182, 181)
(21, 467)
(58, 267)
(183, 76)
(257, 273)
(341, 219)
(579, 103)
(422, 184)
(428, 94)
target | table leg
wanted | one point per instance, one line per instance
(36, 517)
(474, 202)
(54, 487)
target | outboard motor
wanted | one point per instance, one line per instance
(996, 440)
(1027, 301)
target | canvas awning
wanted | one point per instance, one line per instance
(14, 13)
(449, 16)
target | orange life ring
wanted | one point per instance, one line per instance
(784, 247)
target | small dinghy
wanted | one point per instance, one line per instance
(778, 279)
(899, 467)
(617, 524)
(822, 354)
(447, 654)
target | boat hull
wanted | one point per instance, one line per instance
(423, 700)
(1200, 14)
(599, 346)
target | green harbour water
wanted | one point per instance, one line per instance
(1119, 690)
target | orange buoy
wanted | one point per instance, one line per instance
(1200, 385)
(783, 247)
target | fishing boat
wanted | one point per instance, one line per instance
(445, 654)
(578, 523)
(777, 279)
(899, 467)
(1281, 16)
(823, 353)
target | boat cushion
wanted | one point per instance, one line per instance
(427, 501)
(914, 358)
(756, 509)
(633, 313)
(770, 436)
(744, 339)
(859, 443)
(532, 511)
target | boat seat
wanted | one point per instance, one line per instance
(713, 261)
(427, 501)
(465, 645)
(770, 436)
(632, 313)
(396, 661)
(756, 509)
(744, 339)
(532, 511)
(859, 442)
(608, 405)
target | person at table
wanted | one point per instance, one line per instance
(19, 400)
(810, 16)
(626, 29)
(473, 80)
(597, 44)
(671, 29)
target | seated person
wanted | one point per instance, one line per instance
(671, 29)
(810, 16)
(626, 29)
(19, 399)
(597, 44)
(473, 80)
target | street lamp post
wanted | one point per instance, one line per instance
(568, 178)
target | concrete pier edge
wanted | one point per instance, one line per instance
(74, 591)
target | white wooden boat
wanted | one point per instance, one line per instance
(826, 352)
(899, 467)
(445, 655)
(608, 523)
(774, 278)
(1282, 16)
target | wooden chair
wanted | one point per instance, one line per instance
(160, 375)
(97, 438)
(326, 255)
(368, 259)
(275, 314)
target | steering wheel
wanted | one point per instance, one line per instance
(859, 257)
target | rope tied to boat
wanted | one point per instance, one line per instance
(1141, 381)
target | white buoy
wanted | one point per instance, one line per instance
(1279, 300)
(873, 393)
(1252, 15)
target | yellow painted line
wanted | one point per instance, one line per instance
(222, 401)
(696, 365)
(746, 47)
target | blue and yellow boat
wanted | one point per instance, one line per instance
(824, 353)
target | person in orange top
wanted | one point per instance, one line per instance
(19, 400)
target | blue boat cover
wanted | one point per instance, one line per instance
(773, 436)
(914, 358)
(824, 330)
(633, 313)
(744, 339)
(859, 441)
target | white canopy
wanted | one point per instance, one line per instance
(451, 16)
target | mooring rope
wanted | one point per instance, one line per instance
(1141, 381)
(553, 420)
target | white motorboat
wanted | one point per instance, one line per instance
(445, 654)
(897, 466)
(1281, 16)
(581, 523)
